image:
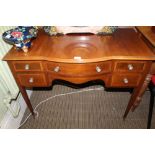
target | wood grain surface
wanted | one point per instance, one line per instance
(123, 45)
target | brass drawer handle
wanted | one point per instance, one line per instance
(57, 69)
(27, 67)
(125, 80)
(31, 80)
(98, 69)
(130, 67)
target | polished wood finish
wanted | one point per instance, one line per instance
(123, 45)
(148, 35)
(120, 60)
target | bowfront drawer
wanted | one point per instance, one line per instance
(125, 80)
(66, 69)
(32, 80)
(129, 66)
(27, 65)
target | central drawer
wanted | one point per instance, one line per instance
(69, 69)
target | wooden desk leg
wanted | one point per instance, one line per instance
(26, 98)
(137, 95)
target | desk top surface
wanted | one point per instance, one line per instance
(123, 45)
(148, 33)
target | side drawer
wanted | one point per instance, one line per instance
(32, 80)
(129, 66)
(125, 80)
(27, 65)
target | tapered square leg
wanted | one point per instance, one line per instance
(26, 98)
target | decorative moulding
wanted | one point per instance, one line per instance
(103, 30)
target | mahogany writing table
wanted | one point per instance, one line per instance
(122, 60)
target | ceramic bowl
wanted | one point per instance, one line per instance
(20, 37)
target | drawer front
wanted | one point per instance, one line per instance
(129, 66)
(66, 69)
(32, 80)
(27, 66)
(125, 80)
